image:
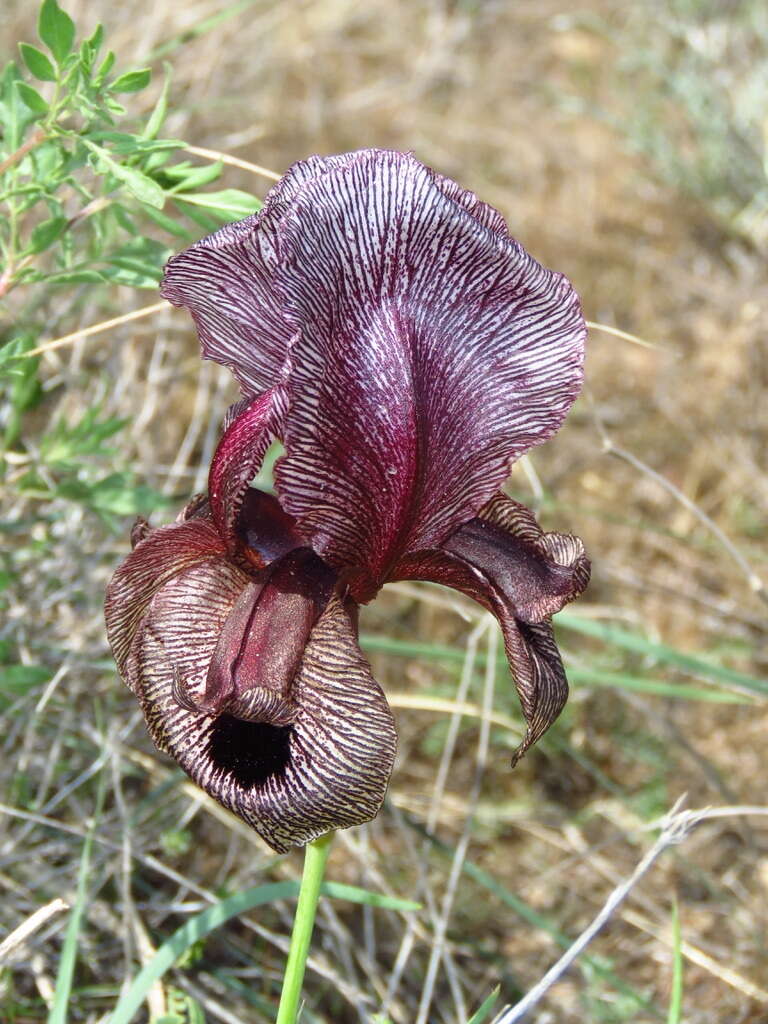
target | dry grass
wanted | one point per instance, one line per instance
(515, 101)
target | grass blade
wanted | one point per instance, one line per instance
(676, 998)
(616, 637)
(208, 920)
(587, 677)
(483, 1012)
(68, 959)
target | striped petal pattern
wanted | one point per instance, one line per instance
(238, 458)
(430, 350)
(226, 281)
(291, 780)
(157, 558)
(384, 325)
(503, 560)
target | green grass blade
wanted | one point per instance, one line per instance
(483, 1012)
(587, 677)
(68, 959)
(208, 920)
(353, 894)
(676, 998)
(655, 687)
(615, 637)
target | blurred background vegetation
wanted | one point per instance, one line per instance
(626, 145)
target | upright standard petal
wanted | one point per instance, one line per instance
(226, 282)
(430, 351)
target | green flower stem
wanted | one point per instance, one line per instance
(314, 866)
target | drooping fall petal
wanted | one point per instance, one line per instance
(160, 556)
(503, 560)
(328, 767)
(536, 572)
(430, 351)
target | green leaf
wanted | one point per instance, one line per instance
(14, 113)
(106, 65)
(139, 185)
(37, 62)
(483, 1012)
(24, 393)
(45, 234)
(68, 959)
(204, 923)
(190, 177)
(169, 224)
(131, 81)
(56, 29)
(126, 144)
(115, 494)
(32, 98)
(674, 1016)
(95, 40)
(65, 444)
(204, 220)
(138, 264)
(15, 679)
(155, 122)
(12, 356)
(74, 277)
(229, 204)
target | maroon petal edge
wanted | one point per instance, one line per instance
(226, 281)
(238, 458)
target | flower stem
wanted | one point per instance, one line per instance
(314, 866)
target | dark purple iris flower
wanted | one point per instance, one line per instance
(382, 324)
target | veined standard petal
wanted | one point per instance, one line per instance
(158, 557)
(327, 768)
(226, 282)
(238, 458)
(431, 351)
(504, 560)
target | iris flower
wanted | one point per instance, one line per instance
(406, 350)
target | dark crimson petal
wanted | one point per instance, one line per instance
(238, 458)
(539, 676)
(262, 641)
(226, 282)
(431, 351)
(267, 531)
(538, 573)
(161, 555)
(503, 560)
(327, 769)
